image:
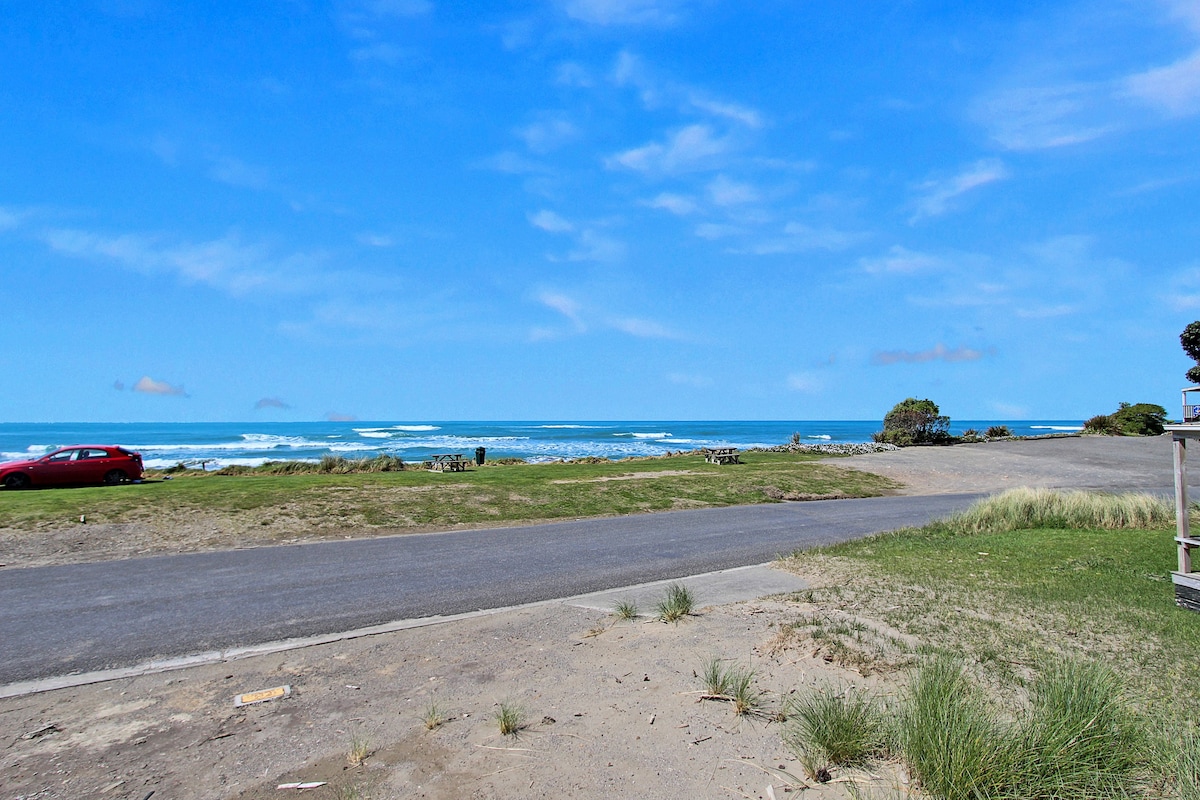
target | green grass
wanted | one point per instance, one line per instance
(1013, 599)
(828, 729)
(732, 683)
(677, 603)
(626, 610)
(510, 718)
(301, 505)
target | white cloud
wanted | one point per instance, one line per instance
(624, 12)
(726, 192)
(644, 328)
(675, 203)
(899, 261)
(597, 247)
(147, 385)
(746, 116)
(1043, 117)
(691, 148)
(549, 221)
(1047, 312)
(227, 264)
(937, 196)
(564, 305)
(1174, 89)
(548, 134)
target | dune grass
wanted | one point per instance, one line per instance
(1007, 598)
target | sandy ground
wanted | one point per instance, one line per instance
(616, 713)
(614, 709)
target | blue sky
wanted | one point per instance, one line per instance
(595, 209)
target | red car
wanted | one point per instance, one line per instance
(81, 463)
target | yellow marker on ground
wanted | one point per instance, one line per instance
(262, 696)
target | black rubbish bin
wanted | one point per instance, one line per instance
(480, 453)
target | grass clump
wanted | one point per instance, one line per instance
(678, 603)
(731, 683)
(626, 610)
(830, 729)
(434, 716)
(1075, 741)
(1026, 508)
(360, 750)
(510, 718)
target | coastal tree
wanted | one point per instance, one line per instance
(1137, 419)
(913, 421)
(1190, 340)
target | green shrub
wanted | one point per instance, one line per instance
(998, 432)
(1141, 419)
(913, 421)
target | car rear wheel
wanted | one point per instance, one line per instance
(115, 476)
(17, 480)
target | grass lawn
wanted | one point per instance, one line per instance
(1008, 601)
(194, 510)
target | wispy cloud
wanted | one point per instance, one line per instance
(655, 91)
(677, 204)
(625, 12)
(938, 352)
(1173, 89)
(1045, 117)
(694, 147)
(147, 385)
(798, 238)
(899, 261)
(227, 263)
(936, 197)
(236, 172)
(337, 416)
(594, 246)
(565, 305)
(549, 221)
(726, 192)
(547, 134)
(645, 328)
(270, 402)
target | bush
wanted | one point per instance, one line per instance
(1141, 419)
(1190, 341)
(913, 421)
(998, 432)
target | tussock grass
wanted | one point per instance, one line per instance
(434, 716)
(510, 718)
(828, 728)
(732, 683)
(328, 465)
(360, 750)
(1075, 741)
(1025, 508)
(677, 604)
(626, 610)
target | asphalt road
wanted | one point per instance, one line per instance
(84, 617)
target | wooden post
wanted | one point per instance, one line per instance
(1182, 523)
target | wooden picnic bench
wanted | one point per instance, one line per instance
(722, 455)
(447, 462)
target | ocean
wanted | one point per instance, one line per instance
(218, 444)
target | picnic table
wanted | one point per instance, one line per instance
(722, 455)
(447, 462)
